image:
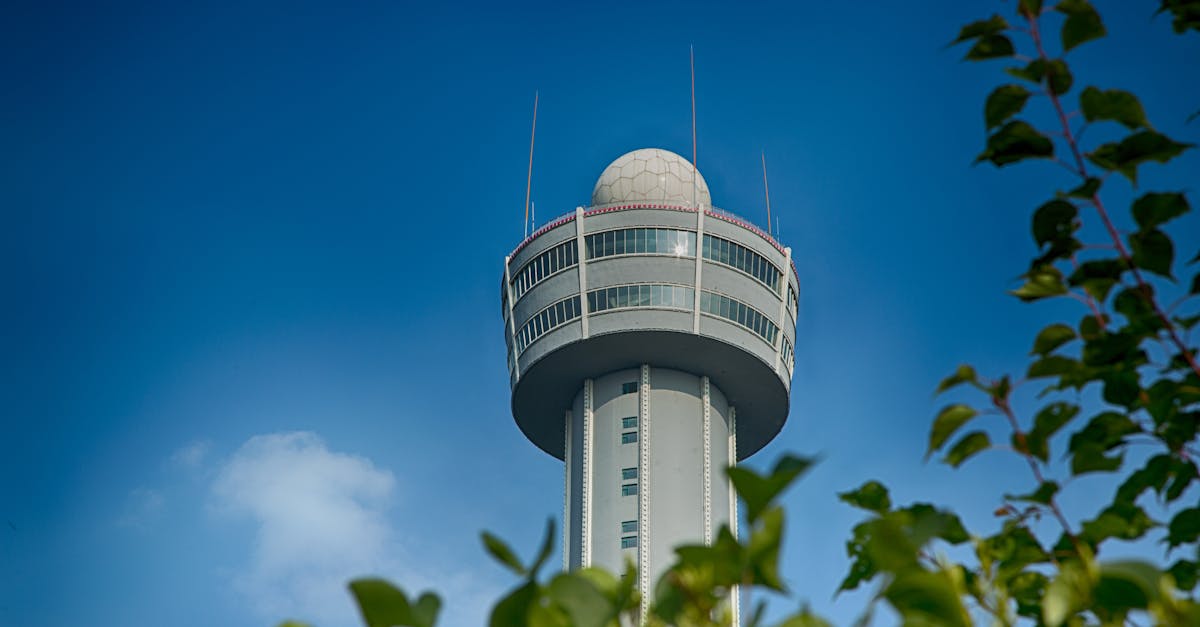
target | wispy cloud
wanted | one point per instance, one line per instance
(191, 456)
(143, 507)
(321, 521)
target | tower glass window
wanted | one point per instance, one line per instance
(629, 423)
(629, 388)
(629, 542)
(629, 489)
(629, 526)
(629, 437)
(628, 473)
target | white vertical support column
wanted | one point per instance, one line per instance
(566, 525)
(581, 253)
(780, 322)
(644, 490)
(699, 265)
(735, 606)
(512, 323)
(586, 507)
(705, 400)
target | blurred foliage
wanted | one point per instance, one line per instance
(1130, 347)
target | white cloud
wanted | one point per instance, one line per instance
(143, 507)
(192, 455)
(321, 521)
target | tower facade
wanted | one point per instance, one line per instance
(650, 345)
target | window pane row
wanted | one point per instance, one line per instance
(740, 313)
(558, 258)
(646, 295)
(648, 241)
(732, 254)
(549, 318)
(793, 302)
(788, 357)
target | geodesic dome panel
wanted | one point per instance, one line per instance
(651, 175)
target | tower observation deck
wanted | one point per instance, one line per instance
(650, 345)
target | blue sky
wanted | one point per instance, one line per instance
(251, 252)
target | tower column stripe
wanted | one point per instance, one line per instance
(734, 593)
(699, 268)
(581, 252)
(706, 403)
(644, 489)
(566, 523)
(588, 443)
(512, 322)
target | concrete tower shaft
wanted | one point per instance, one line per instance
(650, 345)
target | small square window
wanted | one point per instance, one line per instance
(629, 526)
(629, 438)
(629, 542)
(629, 423)
(629, 489)
(629, 388)
(628, 473)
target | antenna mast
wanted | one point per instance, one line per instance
(529, 176)
(695, 166)
(766, 190)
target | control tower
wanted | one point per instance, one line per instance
(650, 345)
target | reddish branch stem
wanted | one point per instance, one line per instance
(1143, 286)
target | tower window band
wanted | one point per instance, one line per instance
(629, 437)
(629, 489)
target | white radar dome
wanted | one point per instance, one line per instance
(650, 175)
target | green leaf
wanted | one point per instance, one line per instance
(1112, 104)
(513, 609)
(1185, 573)
(1154, 209)
(1041, 282)
(383, 605)
(1087, 189)
(1184, 527)
(1083, 23)
(871, 496)
(1091, 458)
(1126, 585)
(1047, 422)
(1043, 494)
(762, 551)
(1014, 142)
(544, 551)
(1069, 593)
(948, 421)
(759, 492)
(805, 618)
(990, 47)
(1051, 338)
(583, 602)
(1098, 276)
(502, 553)
(1004, 102)
(1125, 156)
(926, 598)
(1054, 221)
(966, 447)
(1053, 73)
(1030, 8)
(1052, 366)
(981, 28)
(1185, 14)
(1122, 520)
(964, 374)
(1153, 475)
(1153, 251)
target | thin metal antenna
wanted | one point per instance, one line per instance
(777, 224)
(695, 166)
(529, 176)
(766, 190)
(533, 216)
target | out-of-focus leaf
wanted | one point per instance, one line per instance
(1051, 366)
(991, 26)
(513, 609)
(805, 618)
(1122, 520)
(926, 598)
(1046, 423)
(1041, 282)
(948, 421)
(967, 447)
(1098, 276)
(1004, 102)
(1184, 527)
(1067, 594)
(586, 605)
(1112, 104)
(1153, 251)
(964, 374)
(1051, 338)
(871, 496)
(1054, 73)
(1083, 23)
(1185, 573)
(502, 553)
(1043, 494)
(758, 492)
(544, 552)
(1016, 141)
(383, 605)
(1053, 221)
(1127, 585)
(1126, 155)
